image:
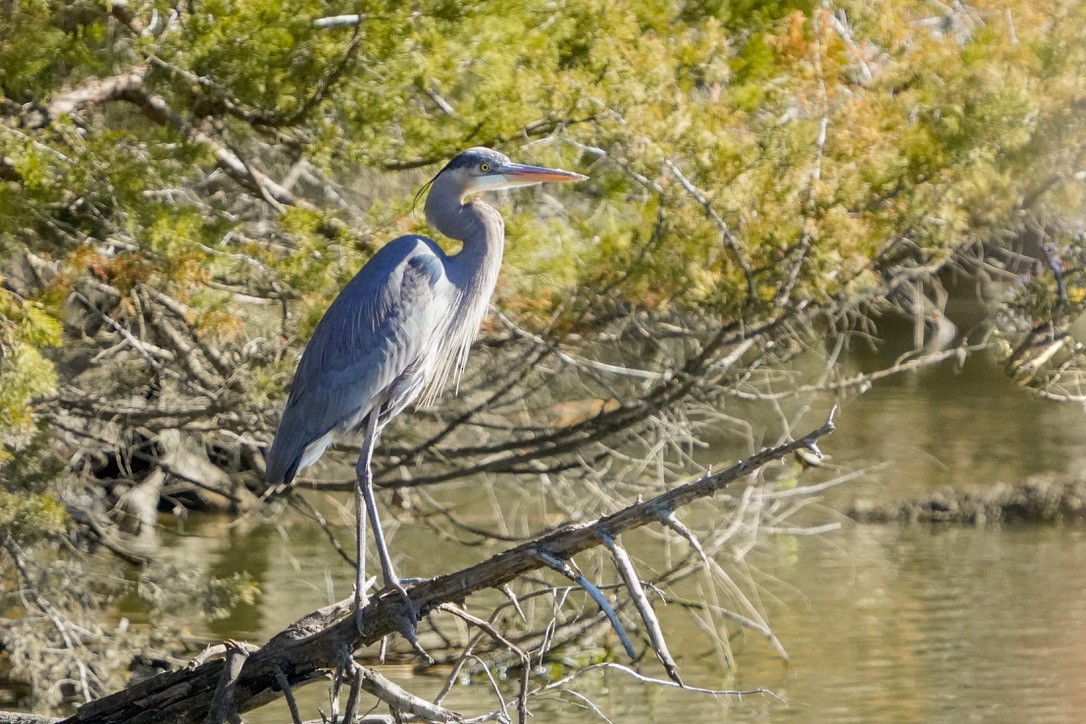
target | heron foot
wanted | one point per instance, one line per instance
(409, 617)
(360, 602)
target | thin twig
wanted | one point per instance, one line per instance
(597, 595)
(400, 699)
(725, 231)
(525, 661)
(641, 602)
(284, 685)
(350, 712)
(309, 647)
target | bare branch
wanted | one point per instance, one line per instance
(223, 706)
(641, 602)
(309, 647)
(525, 661)
(284, 686)
(597, 595)
(668, 519)
(660, 682)
(402, 700)
(352, 696)
(335, 21)
(90, 93)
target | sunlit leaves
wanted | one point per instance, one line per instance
(214, 597)
(28, 518)
(820, 136)
(25, 374)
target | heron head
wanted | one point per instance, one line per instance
(482, 169)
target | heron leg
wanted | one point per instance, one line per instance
(364, 485)
(360, 516)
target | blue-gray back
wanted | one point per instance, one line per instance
(374, 340)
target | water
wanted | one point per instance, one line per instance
(951, 427)
(881, 623)
(916, 624)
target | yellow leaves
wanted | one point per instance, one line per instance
(188, 268)
(534, 310)
(224, 595)
(847, 128)
(793, 43)
(170, 589)
(127, 270)
(221, 325)
(23, 320)
(24, 375)
(848, 236)
(300, 221)
(29, 518)
(704, 283)
(920, 145)
(184, 265)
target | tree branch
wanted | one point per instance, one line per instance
(308, 648)
(89, 93)
(130, 86)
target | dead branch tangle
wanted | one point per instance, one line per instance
(314, 645)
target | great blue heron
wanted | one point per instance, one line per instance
(398, 331)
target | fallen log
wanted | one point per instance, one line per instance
(324, 640)
(1042, 499)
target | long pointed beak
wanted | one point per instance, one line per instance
(515, 175)
(536, 174)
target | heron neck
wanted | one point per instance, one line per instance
(473, 272)
(481, 230)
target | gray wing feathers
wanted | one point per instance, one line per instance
(377, 330)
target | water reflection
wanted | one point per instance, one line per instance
(916, 624)
(881, 623)
(946, 426)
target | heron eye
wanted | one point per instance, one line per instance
(484, 167)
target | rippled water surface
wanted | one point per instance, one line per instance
(881, 623)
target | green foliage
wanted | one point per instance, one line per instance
(34, 469)
(831, 148)
(934, 141)
(833, 151)
(25, 329)
(28, 519)
(747, 160)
